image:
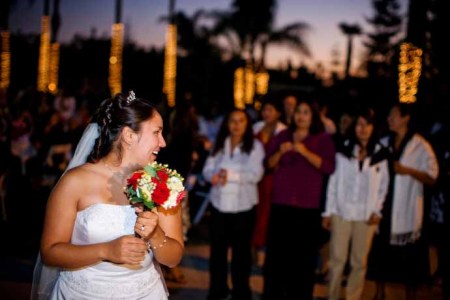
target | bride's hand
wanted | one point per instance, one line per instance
(126, 250)
(138, 207)
(146, 223)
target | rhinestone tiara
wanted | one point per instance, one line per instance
(131, 97)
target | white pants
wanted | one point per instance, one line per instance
(360, 235)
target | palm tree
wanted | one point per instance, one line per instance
(248, 27)
(193, 37)
(290, 35)
(243, 25)
(350, 30)
(382, 41)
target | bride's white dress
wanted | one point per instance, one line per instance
(101, 223)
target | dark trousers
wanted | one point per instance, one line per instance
(231, 230)
(291, 253)
(445, 263)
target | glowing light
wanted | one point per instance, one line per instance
(5, 60)
(247, 83)
(409, 70)
(257, 105)
(44, 55)
(239, 88)
(53, 68)
(115, 59)
(262, 83)
(170, 64)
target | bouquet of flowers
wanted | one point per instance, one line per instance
(156, 185)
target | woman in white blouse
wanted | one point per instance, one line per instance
(234, 169)
(356, 192)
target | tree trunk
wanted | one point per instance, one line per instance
(349, 56)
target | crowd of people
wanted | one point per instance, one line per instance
(281, 187)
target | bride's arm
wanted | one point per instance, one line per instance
(61, 211)
(167, 241)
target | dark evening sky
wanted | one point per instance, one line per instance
(142, 20)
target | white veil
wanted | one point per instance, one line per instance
(44, 277)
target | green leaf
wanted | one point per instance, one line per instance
(150, 170)
(131, 192)
(149, 205)
(136, 200)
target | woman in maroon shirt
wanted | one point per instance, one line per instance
(301, 156)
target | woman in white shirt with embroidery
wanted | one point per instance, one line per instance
(234, 168)
(356, 192)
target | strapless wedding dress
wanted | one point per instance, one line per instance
(97, 224)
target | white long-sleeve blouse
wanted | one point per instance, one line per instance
(355, 192)
(244, 171)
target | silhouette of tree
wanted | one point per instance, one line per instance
(290, 35)
(249, 26)
(383, 41)
(5, 9)
(350, 30)
(56, 20)
(439, 38)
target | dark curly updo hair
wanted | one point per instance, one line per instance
(113, 115)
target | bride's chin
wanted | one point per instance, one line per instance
(153, 157)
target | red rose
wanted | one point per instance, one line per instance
(163, 176)
(133, 180)
(181, 196)
(161, 193)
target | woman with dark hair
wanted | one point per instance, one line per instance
(300, 156)
(105, 247)
(355, 196)
(290, 102)
(399, 253)
(233, 168)
(265, 130)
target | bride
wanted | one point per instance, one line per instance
(102, 246)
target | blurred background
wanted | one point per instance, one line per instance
(60, 59)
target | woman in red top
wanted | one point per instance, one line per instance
(265, 130)
(300, 156)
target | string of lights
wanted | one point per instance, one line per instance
(239, 88)
(262, 82)
(44, 55)
(247, 83)
(170, 64)
(409, 70)
(54, 68)
(115, 59)
(5, 60)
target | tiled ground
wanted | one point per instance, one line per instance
(16, 274)
(194, 266)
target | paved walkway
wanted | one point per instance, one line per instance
(16, 274)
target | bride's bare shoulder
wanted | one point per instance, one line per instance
(82, 175)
